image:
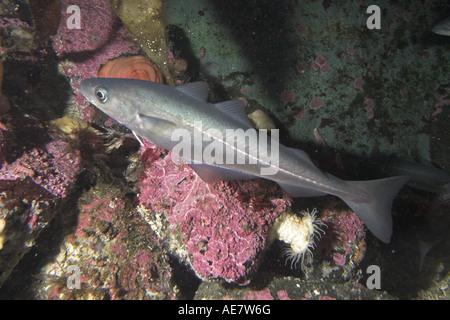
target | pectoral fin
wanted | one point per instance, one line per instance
(211, 174)
(158, 125)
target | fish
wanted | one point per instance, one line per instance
(166, 116)
(423, 175)
(442, 28)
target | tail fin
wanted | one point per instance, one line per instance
(377, 213)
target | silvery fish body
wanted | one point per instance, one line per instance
(442, 28)
(423, 175)
(180, 119)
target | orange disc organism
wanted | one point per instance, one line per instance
(136, 67)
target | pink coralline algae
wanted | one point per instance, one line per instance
(321, 63)
(102, 209)
(370, 104)
(38, 169)
(220, 229)
(263, 294)
(52, 166)
(339, 259)
(287, 96)
(359, 83)
(316, 103)
(350, 226)
(2, 143)
(101, 37)
(300, 114)
(117, 253)
(283, 295)
(344, 241)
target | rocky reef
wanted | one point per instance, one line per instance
(86, 212)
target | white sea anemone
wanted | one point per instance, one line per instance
(299, 233)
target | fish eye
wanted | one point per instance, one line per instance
(101, 94)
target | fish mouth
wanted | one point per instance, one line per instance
(83, 89)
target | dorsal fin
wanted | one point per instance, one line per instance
(198, 90)
(236, 110)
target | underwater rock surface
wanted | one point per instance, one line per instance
(157, 231)
(219, 229)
